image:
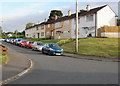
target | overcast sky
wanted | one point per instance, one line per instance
(15, 14)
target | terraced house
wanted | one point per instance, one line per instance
(30, 32)
(40, 30)
(90, 20)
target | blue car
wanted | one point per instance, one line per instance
(52, 48)
(18, 40)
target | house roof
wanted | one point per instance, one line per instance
(82, 13)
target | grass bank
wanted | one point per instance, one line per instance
(3, 59)
(107, 47)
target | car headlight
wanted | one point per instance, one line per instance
(51, 49)
(61, 49)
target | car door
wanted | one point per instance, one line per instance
(45, 48)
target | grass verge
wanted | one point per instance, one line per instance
(3, 59)
(106, 47)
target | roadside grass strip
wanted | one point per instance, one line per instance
(4, 59)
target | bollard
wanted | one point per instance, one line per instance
(4, 50)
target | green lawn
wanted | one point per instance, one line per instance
(107, 47)
(3, 59)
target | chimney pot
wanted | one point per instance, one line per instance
(69, 13)
(88, 7)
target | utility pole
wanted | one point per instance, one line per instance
(77, 26)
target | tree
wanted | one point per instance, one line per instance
(23, 33)
(29, 25)
(118, 22)
(55, 12)
(0, 31)
(16, 33)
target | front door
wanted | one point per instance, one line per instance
(38, 35)
(59, 36)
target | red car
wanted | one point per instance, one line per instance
(14, 41)
(29, 44)
(23, 43)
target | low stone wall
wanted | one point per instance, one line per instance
(109, 32)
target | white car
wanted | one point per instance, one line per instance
(2, 39)
(37, 46)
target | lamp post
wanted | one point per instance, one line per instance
(77, 48)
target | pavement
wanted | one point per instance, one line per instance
(17, 64)
(96, 58)
(65, 70)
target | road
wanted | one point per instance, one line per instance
(66, 70)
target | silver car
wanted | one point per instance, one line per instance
(37, 46)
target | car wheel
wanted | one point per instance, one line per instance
(49, 53)
(43, 51)
(33, 49)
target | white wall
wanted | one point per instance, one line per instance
(110, 34)
(119, 9)
(30, 32)
(106, 17)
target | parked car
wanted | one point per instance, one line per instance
(18, 41)
(29, 44)
(23, 43)
(52, 48)
(11, 40)
(2, 39)
(37, 46)
(14, 41)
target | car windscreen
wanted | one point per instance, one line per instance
(53, 45)
(40, 43)
(24, 41)
(31, 42)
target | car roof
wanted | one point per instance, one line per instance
(50, 43)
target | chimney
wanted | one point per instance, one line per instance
(56, 17)
(88, 7)
(69, 13)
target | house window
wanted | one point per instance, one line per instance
(66, 32)
(37, 28)
(57, 25)
(48, 26)
(89, 18)
(42, 34)
(48, 33)
(66, 23)
(42, 27)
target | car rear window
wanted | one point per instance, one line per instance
(40, 43)
(53, 45)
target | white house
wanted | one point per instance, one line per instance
(92, 19)
(30, 32)
(119, 9)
